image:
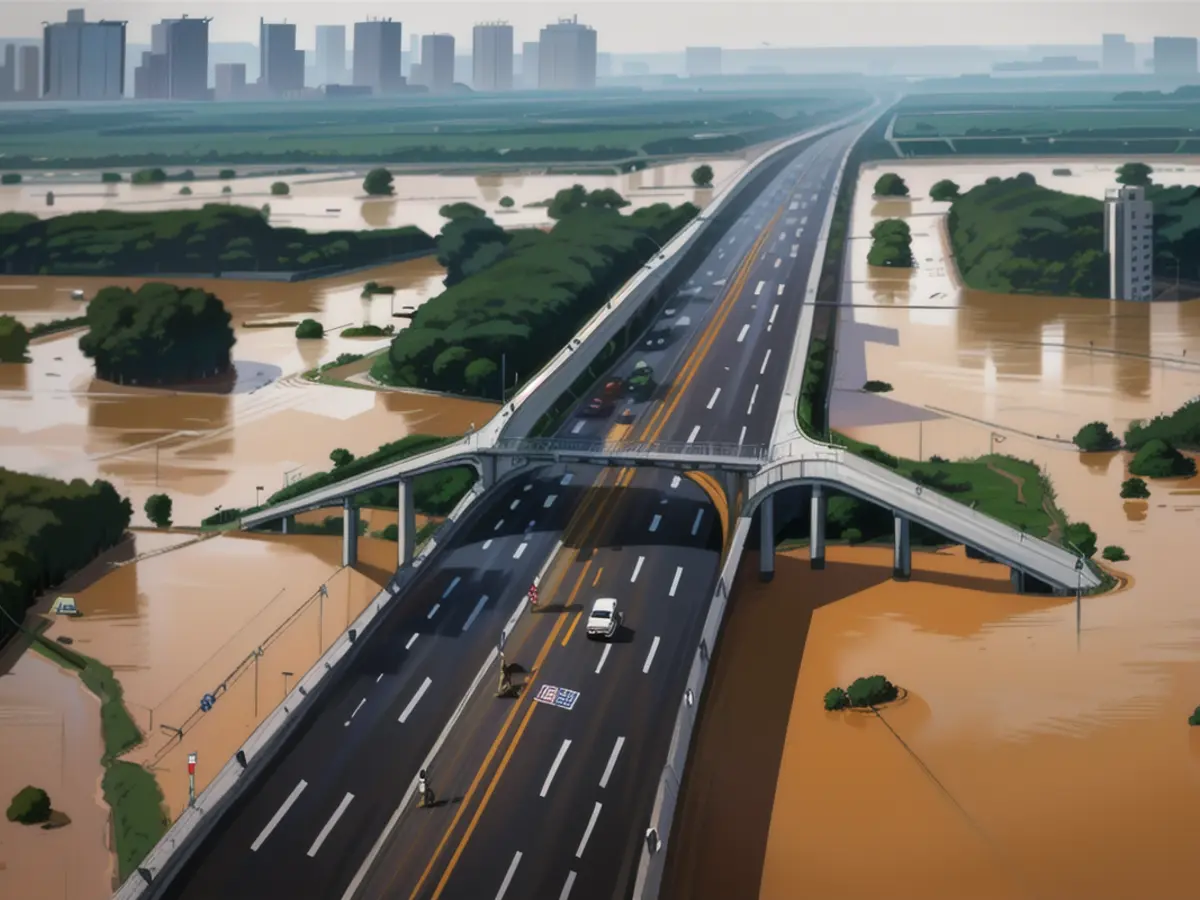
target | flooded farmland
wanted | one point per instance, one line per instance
(1028, 760)
(332, 201)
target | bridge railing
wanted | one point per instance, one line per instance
(630, 449)
(809, 459)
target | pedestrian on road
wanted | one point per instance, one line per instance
(424, 794)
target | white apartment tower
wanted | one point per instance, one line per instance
(1129, 242)
(567, 57)
(492, 57)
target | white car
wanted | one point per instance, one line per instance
(604, 620)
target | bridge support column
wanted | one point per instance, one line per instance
(902, 564)
(766, 540)
(406, 524)
(487, 470)
(1018, 580)
(349, 533)
(285, 528)
(816, 529)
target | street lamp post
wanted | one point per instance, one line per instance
(286, 676)
(258, 489)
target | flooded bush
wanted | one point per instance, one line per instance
(29, 806)
(890, 185)
(369, 331)
(1113, 553)
(185, 191)
(378, 183)
(835, 698)
(158, 510)
(149, 176)
(1158, 459)
(158, 334)
(877, 387)
(14, 340)
(1134, 489)
(1096, 437)
(310, 330)
(227, 174)
(871, 691)
(10, 178)
(891, 244)
(1180, 428)
(111, 178)
(943, 191)
(702, 176)
(507, 202)
(280, 189)
(1194, 718)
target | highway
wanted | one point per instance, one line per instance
(545, 801)
(538, 798)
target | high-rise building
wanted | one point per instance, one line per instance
(28, 82)
(437, 62)
(1129, 242)
(567, 56)
(331, 54)
(529, 65)
(8, 73)
(176, 67)
(281, 65)
(1175, 56)
(702, 61)
(83, 60)
(378, 45)
(1116, 54)
(230, 81)
(492, 57)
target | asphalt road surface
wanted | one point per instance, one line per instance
(550, 797)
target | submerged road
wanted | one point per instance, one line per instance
(546, 795)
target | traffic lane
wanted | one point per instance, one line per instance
(737, 391)
(578, 790)
(327, 751)
(486, 721)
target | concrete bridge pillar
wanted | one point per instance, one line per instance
(902, 565)
(287, 525)
(816, 529)
(406, 524)
(766, 540)
(487, 470)
(349, 532)
(1018, 580)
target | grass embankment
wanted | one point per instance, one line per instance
(139, 815)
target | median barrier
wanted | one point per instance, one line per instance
(169, 856)
(666, 799)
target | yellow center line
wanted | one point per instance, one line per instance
(574, 622)
(596, 580)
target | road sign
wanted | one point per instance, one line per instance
(191, 763)
(551, 695)
(206, 702)
(533, 595)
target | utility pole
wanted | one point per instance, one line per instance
(191, 779)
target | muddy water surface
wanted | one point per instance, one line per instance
(1040, 762)
(334, 201)
(215, 448)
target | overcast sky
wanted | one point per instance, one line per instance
(669, 25)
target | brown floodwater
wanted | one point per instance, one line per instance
(50, 738)
(331, 201)
(1039, 762)
(208, 449)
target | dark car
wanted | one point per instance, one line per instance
(657, 338)
(597, 407)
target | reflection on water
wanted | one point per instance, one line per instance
(215, 448)
(1025, 701)
(331, 201)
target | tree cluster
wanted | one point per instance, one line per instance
(51, 529)
(522, 295)
(891, 244)
(14, 340)
(214, 239)
(890, 184)
(158, 334)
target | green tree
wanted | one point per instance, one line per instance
(1096, 437)
(226, 189)
(468, 244)
(227, 174)
(14, 340)
(702, 176)
(480, 377)
(1081, 535)
(310, 330)
(29, 806)
(890, 185)
(567, 201)
(341, 457)
(507, 202)
(835, 699)
(185, 191)
(158, 334)
(158, 510)
(1135, 174)
(379, 183)
(944, 191)
(10, 178)
(149, 176)
(1134, 489)
(871, 691)
(891, 244)
(111, 178)
(280, 189)
(1158, 459)
(1114, 553)
(461, 210)
(1194, 718)
(606, 198)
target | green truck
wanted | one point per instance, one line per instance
(641, 383)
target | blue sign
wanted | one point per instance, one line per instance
(206, 702)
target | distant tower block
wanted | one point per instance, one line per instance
(1129, 242)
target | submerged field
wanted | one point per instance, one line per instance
(411, 130)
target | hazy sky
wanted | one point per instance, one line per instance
(670, 25)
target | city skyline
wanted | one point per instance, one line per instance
(745, 25)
